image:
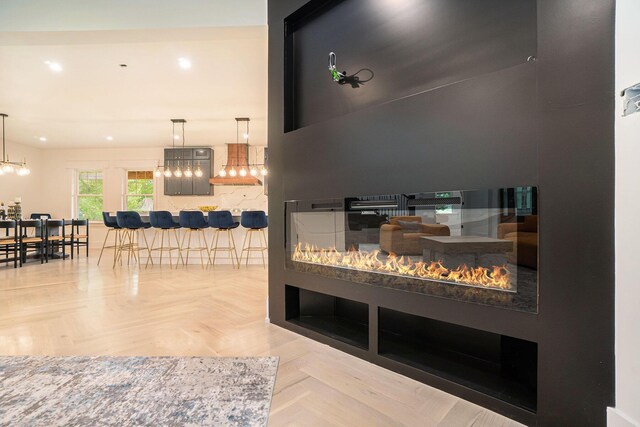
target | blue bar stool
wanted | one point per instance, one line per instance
(254, 222)
(111, 223)
(223, 221)
(193, 222)
(131, 224)
(163, 223)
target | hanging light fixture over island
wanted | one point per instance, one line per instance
(178, 172)
(238, 170)
(7, 166)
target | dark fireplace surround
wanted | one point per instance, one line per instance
(502, 293)
(476, 247)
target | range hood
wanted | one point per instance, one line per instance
(237, 158)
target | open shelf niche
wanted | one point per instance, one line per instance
(338, 318)
(496, 365)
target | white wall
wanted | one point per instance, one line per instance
(57, 172)
(29, 188)
(627, 410)
(61, 164)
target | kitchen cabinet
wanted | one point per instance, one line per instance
(189, 157)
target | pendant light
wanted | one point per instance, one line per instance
(177, 172)
(167, 170)
(253, 167)
(241, 167)
(7, 166)
(232, 171)
(245, 135)
(188, 172)
(253, 170)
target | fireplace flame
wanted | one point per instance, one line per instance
(494, 277)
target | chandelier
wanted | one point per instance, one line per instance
(248, 168)
(178, 172)
(7, 166)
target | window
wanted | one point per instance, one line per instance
(524, 200)
(139, 195)
(89, 195)
(444, 209)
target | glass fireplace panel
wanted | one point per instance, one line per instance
(479, 246)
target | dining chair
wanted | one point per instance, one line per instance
(78, 237)
(31, 239)
(54, 237)
(9, 241)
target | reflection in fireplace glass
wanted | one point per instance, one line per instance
(483, 238)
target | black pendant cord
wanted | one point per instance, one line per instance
(173, 137)
(247, 142)
(173, 134)
(4, 154)
(188, 166)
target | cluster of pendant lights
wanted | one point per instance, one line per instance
(242, 170)
(178, 172)
(8, 167)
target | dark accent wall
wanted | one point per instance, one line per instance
(422, 45)
(547, 123)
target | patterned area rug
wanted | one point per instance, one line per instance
(136, 391)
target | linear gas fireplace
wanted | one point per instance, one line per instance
(478, 246)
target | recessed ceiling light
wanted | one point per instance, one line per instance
(109, 138)
(176, 136)
(42, 138)
(184, 63)
(54, 66)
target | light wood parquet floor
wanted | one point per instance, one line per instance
(77, 308)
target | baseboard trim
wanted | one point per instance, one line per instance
(616, 418)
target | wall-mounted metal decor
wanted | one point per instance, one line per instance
(630, 100)
(336, 75)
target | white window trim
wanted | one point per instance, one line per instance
(75, 210)
(124, 191)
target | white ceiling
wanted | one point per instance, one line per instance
(89, 15)
(93, 97)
